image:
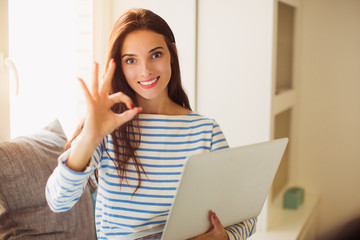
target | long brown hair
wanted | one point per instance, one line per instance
(126, 138)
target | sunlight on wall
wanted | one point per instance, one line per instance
(42, 38)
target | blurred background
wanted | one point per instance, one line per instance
(264, 69)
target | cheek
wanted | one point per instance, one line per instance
(129, 74)
(165, 67)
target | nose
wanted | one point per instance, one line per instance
(146, 69)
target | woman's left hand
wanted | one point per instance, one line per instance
(217, 231)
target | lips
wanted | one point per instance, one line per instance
(149, 83)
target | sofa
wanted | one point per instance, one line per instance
(26, 163)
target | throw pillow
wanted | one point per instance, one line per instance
(25, 165)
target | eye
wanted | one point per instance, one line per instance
(130, 61)
(156, 55)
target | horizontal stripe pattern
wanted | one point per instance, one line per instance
(166, 141)
(241, 231)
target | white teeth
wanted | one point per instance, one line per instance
(149, 82)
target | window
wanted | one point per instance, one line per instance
(51, 44)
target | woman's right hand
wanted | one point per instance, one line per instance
(100, 120)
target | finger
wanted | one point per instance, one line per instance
(85, 89)
(127, 115)
(95, 82)
(121, 97)
(106, 86)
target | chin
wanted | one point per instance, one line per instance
(152, 95)
(149, 96)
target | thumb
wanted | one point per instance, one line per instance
(216, 221)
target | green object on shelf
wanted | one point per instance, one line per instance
(293, 198)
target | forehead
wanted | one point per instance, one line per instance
(142, 41)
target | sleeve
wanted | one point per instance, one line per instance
(218, 140)
(245, 229)
(241, 231)
(65, 186)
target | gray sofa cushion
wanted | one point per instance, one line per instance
(25, 165)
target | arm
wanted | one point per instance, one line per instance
(68, 180)
(240, 231)
(65, 186)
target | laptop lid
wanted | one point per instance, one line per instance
(232, 182)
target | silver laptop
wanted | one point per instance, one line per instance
(232, 182)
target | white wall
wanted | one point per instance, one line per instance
(329, 108)
(234, 67)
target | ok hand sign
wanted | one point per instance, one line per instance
(100, 120)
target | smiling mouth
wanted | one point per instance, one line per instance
(149, 83)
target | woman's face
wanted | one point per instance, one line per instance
(146, 63)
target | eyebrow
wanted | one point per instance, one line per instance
(131, 55)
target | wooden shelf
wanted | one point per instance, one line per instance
(283, 101)
(289, 224)
(294, 3)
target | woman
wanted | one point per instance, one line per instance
(138, 156)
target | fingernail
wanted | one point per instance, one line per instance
(112, 61)
(131, 106)
(214, 215)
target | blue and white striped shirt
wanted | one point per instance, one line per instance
(166, 141)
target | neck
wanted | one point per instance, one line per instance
(161, 105)
(156, 106)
